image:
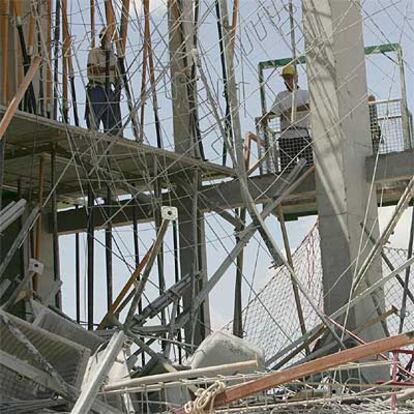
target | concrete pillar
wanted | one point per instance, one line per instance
(341, 141)
(190, 220)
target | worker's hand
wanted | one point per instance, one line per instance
(263, 120)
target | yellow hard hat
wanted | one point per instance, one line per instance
(289, 70)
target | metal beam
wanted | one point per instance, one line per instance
(88, 394)
(19, 239)
(392, 168)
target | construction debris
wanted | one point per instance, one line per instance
(119, 230)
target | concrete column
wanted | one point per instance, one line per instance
(341, 140)
(181, 45)
(190, 221)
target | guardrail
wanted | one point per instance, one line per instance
(389, 130)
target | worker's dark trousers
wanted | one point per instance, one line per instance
(103, 107)
(293, 149)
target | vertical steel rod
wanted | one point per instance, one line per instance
(160, 255)
(56, 42)
(77, 274)
(49, 84)
(403, 311)
(5, 5)
(177, 279)
(56, 259)
(90, 242)
(39, 220)
(136, 254)
(237, 315)
(227, 119)
(65, 61)
(290, 261)
(108, 251)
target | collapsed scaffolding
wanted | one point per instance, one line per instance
(50, 363)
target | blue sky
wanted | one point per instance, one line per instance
(262, 38)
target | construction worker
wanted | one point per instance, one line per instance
(103, 89)
(294, 141)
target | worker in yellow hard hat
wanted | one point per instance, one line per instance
(294, 141)
(289, 70)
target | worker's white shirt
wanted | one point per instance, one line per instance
(283, 104)
(97, 56)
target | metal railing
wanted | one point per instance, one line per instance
(390, 132)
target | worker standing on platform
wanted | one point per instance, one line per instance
(292, 106)
(103, 89)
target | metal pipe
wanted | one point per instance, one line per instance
(28, 224)
(403, 310)
(49, 84)
(90, 243)
(65, 61)
(41, 96)
(56, 257)
(11, 212)
(108, 251)
(227, 119)
(56, 42)
(177, 279)
(180, 375)
(92, 7)
(124, 25)
(5, 12)
(39, 221)
(290, 261)
(160, 255)
(237, 314)
(144, 70)
(345, 308)
(136, 255)
(152, 76)
(88, 394)
(390, 265)
(248, 233)
(402, 205)
(77, 274)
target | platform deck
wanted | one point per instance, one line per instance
(84, 156)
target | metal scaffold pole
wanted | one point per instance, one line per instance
(90, 261)
(108, 250)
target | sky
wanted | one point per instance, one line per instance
(263, 34)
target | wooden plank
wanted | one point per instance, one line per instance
(312, 367)
(12, 108)
(92, 8)
(124, 25)
(134, 277)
